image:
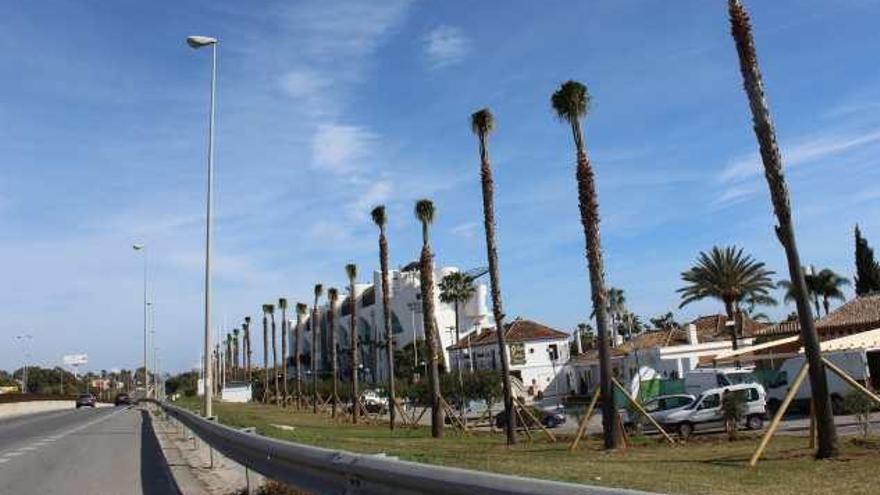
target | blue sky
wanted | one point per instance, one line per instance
(326, 108)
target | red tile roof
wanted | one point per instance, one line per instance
(856, 315)
(519, 330)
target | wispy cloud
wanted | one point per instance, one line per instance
(445, 46)
(802, 152)
(338, 148)
(468, 230)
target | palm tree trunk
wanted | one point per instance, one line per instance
(386, 320)
(331, 327)
(589, 209)
(766, 135)
(247, 353)
(427, 288)
(265, 359)
(353, 349)
(315, 330)
(284, 355)
(827, 304)
(488, 187)
(275, 362)
(731, 316)
(298, 359)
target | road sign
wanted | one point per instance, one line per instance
(75, 359)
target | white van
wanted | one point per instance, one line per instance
(854, 362)
(705, 413)
(701, 379)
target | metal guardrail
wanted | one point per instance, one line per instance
(325, 471)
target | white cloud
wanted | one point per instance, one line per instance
(445, 46)
(341, 148)
(805, 151)
(304, 83)
(468, 230)
(376, 194)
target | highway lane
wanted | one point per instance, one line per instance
(109, 451)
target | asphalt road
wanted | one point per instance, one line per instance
(110, 451)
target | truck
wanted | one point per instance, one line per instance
(699, 380)
(857, 362)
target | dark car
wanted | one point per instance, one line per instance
(122, 400)
(550, 419)
(85, 400)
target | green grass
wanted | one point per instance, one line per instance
(706, 465)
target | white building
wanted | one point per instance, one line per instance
(536, 354)
(407, 324)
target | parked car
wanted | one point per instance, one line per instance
(659, 408)
(549, 418)
(122, 400)
(85, 400)
(705, 412)
(373, 402)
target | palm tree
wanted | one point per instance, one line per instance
(333, 296)
(301, 310)
(235, 353)
(456, 288)
(282, 304)
(570, 103)
(247, 349)
(811, 281)
(726, 274)
(266, 309)
(766, 136)
(274, 356)
(351, 272)
(616, 308)
(316, 328)
(828, 285)
(381, 221)
(424, 211)
(482, 124)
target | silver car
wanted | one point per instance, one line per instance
(658, 408)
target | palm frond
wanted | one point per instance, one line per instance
(332, 294)
(482, 122)
(282, 303)
(378, 215)
(351, 271)
(424, 211)
(319, 289)
(571, 101)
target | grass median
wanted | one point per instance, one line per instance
(708, 464)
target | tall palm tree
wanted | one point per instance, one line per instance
(351, 273)
(616, 308)
(811, 281)
(247, 349)
(274, 356)
(424, 211)
(301, 310)
(236, 351)
(266, 309)
(282, 304)
(316, 329)
(726, 274)
(333, 296)
(766, 135)
(570, 102)
(457, 288)
(381, 221)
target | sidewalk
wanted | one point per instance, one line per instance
(190, 461)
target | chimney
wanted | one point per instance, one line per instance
(692, 334)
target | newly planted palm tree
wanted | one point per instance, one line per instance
(316, 329)
(277, 390)
(282, 304)
(482, 124)
(381, 221)
(456, 288)
(266, 309)
(351, 273)
(766, 135)
(301, 310)
(236, 352)
(247, 349)
(424, 211)
(726, 274)
(332, 297)
(570, 102)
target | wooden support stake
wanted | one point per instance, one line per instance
(642, 410)
(777, 418)
(848, 379)
(525, 427)
(401, 413)
(586, 419)
(533, 418)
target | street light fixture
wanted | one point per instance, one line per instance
(143, 249)
(197, 42)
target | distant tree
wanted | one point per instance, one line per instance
(867, 270)
(664, 322)
(332, 298)
(282, 305)
(351, 272)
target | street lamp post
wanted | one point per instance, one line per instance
(23, 339)
(143, 249)
(197, 42)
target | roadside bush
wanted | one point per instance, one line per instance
(733, 410)
(858, 405)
